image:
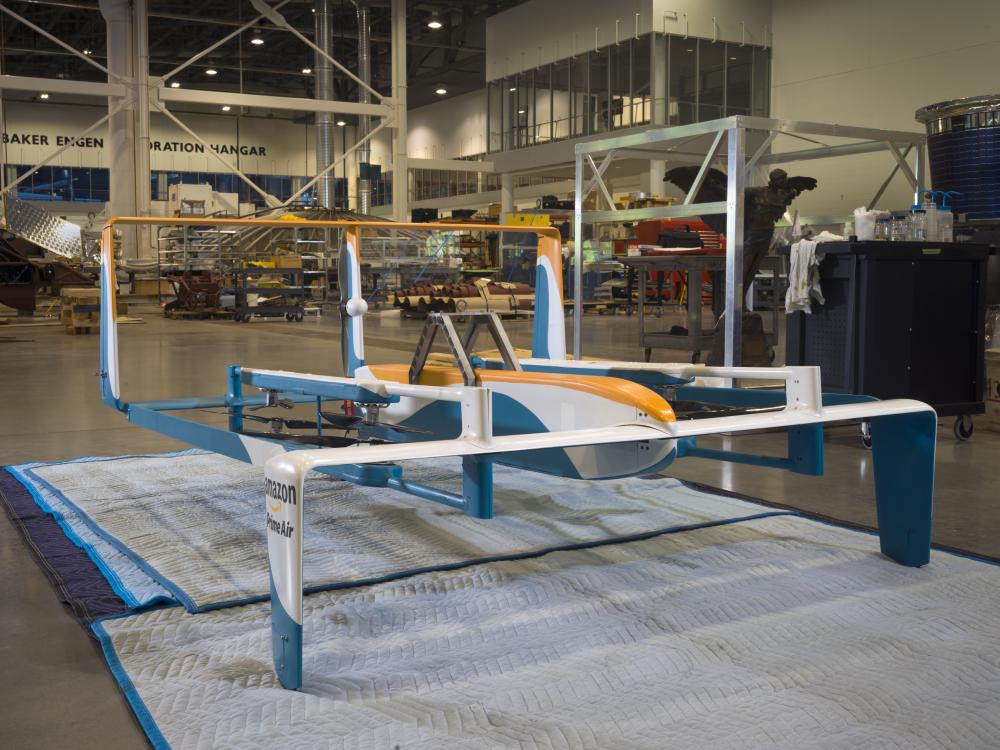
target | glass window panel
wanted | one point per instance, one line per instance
(494, 108)
(580, 87)
(761, 82)
(510, 112)
(560, 100)
(621, 85)
(599, 99)
(99, 185)
(711, 79)
(641, 103)
(739, 74)
(542, 104)
(682, 81)
(525, 112)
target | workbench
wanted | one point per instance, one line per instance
(695, 340)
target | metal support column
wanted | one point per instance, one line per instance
(658, 116)
(323, 68)
(578, 259)
(400, 161)
(140, 67)
(121, 125)
(736, 182)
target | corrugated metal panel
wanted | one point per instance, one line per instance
(45, 230)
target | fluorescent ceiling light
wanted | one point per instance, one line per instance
(256, 40)
(175, 84)
(520, 111)
(43, 95)
(434, 23)
(513, 88)
(307, 71)
(211, 72)
(441, 91)
(226, 108)
(341, 123)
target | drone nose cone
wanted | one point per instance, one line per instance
(356, 306)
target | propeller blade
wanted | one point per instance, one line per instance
(348, 422)
(341, 421)
(299, 424)
(404, 429)
(324, 441)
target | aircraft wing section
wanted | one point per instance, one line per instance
(307, 460)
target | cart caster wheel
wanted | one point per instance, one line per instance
(963, 427)
(866, 435)
(299, 317)
(289, 317)
(695, 358)
(246, 318)
(237, 317)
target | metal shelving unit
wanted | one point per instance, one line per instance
(723, 143)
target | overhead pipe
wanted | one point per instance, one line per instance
(364, 121)
(325, 121)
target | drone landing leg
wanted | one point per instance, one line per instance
(477, 486)
(284, 482)
(903, 447)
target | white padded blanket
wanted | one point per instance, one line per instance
(189, 526)
(772, 633)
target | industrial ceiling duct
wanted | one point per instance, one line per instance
(364, 121)
(325, 121)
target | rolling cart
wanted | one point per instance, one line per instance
(901, 320)
(294, 294)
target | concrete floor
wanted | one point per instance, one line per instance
(56, 690)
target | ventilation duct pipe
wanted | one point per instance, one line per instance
(325, 121)
(364, 121)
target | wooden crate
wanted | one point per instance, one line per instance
(150, 288)
(993, 389)
(80, 293)
(78, 321)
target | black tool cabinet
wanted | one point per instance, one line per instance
(901, 320)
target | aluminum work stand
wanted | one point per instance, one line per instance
(723, 144)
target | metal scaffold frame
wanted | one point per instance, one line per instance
(680, 144)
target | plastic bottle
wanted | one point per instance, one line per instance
(945, 218)
(918, 225)
(931, 230)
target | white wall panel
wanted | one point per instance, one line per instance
(873, 63)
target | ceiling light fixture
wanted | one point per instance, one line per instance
(211, 72)
(307, 71)
(43, 95)
(88, 51)
(434, 23)
(513, 89)
(256, 39)
(175, 84)
(226, 108)
(520, 111)
(441, 91)
(341, 123)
